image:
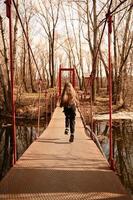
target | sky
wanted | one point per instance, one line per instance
(39, 37)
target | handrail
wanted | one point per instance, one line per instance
(91, 134)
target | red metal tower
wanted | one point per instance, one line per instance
(9, 15)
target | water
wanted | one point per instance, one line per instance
(122, 147)
(25, 135)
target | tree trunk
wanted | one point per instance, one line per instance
(101, 76)
(53, 67)
(8, 89)
(94, 61)
(114, 85)
(98, 81)
(50, 61)
(29, 60)
(2, 82)
(23, 66)
(125, 49)
(14, 45)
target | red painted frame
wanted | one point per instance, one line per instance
(60, 74)
(9, 15)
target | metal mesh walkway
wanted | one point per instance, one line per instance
(54, 169)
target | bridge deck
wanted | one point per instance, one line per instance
(52, 168)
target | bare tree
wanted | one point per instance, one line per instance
(48, 17)
(79, 45)
(5, 80)
(123, 41)
(27, 21)
(15, 41)
(23, 64)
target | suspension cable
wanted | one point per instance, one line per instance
(26, 38)
(39, 111)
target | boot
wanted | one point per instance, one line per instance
(71, 138)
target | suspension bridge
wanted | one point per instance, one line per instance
(54, 168)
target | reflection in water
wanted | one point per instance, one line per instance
(25, 135)
(122, 146)
(5, 150)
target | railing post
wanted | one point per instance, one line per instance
(9, 15)
(91, 104)
(60, 80)
(50, 104)
(46, 107)
(38, 124)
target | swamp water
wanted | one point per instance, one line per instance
(122, 147)
(25, 135)
(26, 132)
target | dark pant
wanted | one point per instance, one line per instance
(70, 113)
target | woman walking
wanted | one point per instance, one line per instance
(69, 102)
